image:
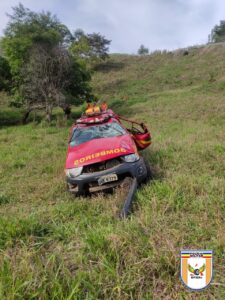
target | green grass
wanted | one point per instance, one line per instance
(55, 246)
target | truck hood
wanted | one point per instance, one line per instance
(98, 150)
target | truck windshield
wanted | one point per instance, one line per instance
(82, 135)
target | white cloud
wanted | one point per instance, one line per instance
(158, 24)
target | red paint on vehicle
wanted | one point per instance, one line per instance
(98, 150)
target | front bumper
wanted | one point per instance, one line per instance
(88, 182)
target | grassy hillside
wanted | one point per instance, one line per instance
(55, 246)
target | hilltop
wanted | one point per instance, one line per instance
(53, 246)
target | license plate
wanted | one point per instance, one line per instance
(107, 178)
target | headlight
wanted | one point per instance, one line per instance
(73, 172)
(131, 158)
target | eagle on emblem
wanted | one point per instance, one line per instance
(196, 271)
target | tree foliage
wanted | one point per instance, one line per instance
(143, 50)
(45, 74)
(26, 28)
(90, 47)
(5, 74)
(218, 33)
(51, 78)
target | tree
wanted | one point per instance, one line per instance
(48, 77)
(5, 74)
(26, 28)
(143, 50)
(218, 33)
(44, 73)
(90, 47)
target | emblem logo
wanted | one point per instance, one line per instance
(196, 268)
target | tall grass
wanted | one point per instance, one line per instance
(55, 246)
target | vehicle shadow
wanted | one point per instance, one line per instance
(155, 160)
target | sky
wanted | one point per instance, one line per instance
(158, 24)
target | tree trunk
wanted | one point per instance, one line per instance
(49, 114)
(67, 111)
(25, 116)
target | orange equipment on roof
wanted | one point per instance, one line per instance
(104, 106)
(92, 108)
